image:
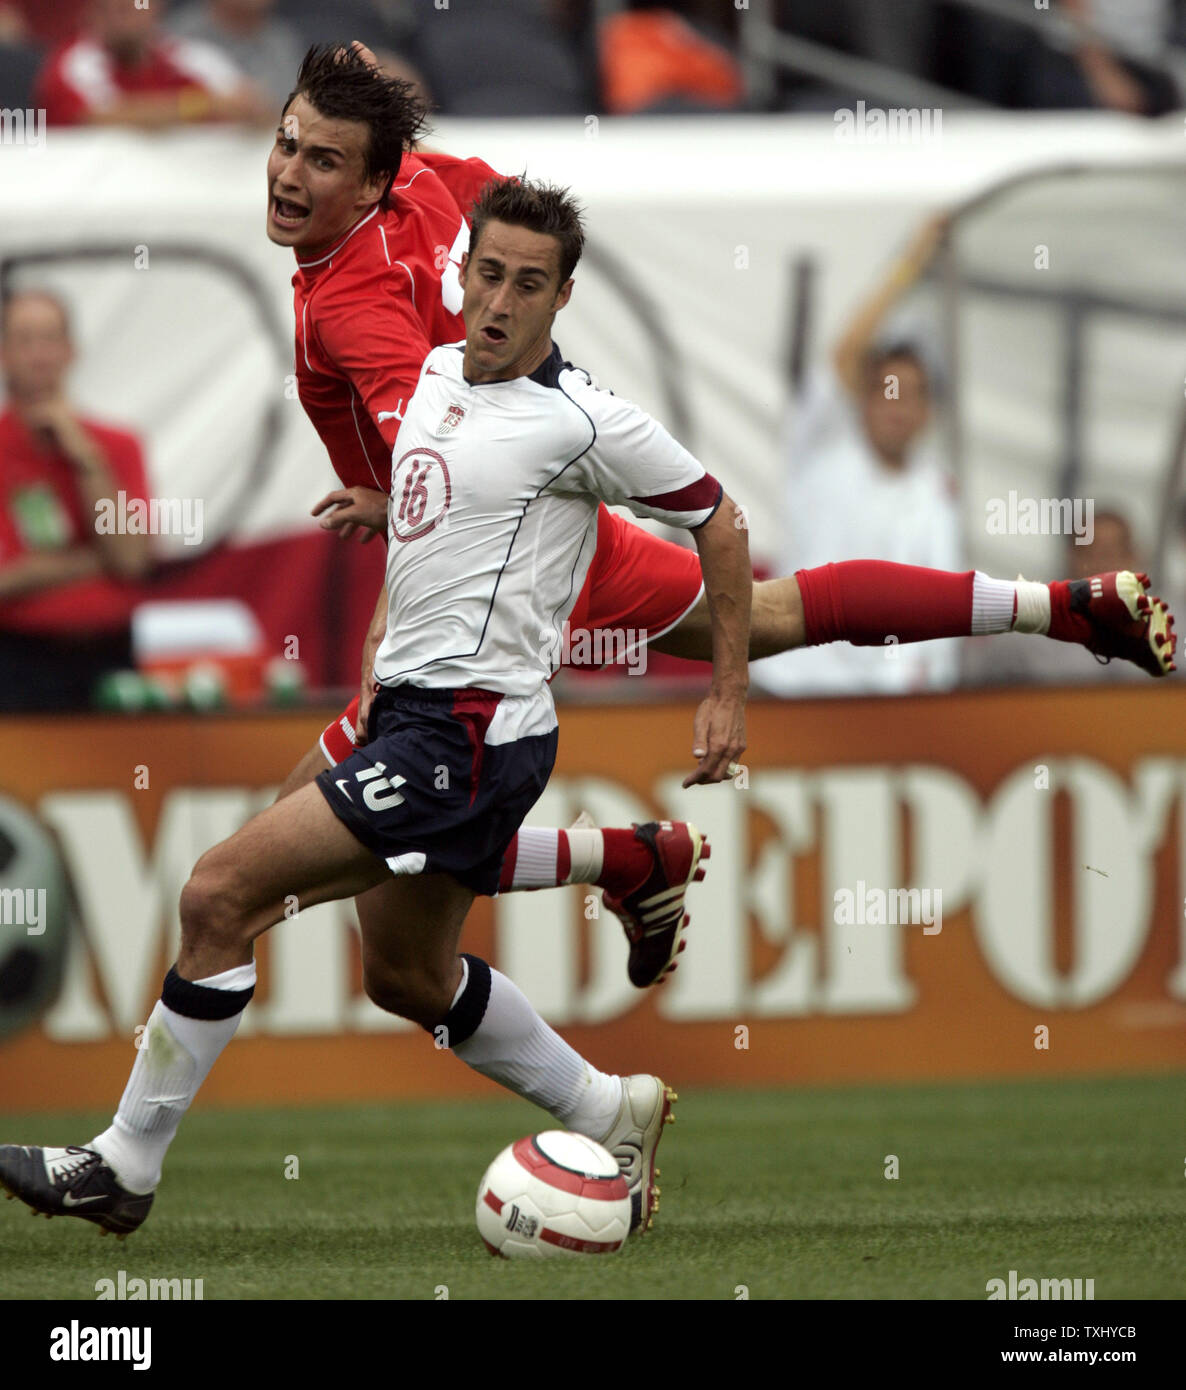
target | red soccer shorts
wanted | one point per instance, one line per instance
(638, 587)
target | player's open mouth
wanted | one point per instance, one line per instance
(494, 335)
(288, 214)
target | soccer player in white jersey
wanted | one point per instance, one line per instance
(503, 457)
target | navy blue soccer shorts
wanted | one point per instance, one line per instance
(428, 794)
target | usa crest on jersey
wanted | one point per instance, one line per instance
(450, 420)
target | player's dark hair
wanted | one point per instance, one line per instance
(540, 207)
(344, 86)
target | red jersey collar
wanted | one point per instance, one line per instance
(325, 258)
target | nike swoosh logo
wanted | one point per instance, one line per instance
(340, 784)
(71, 1201)
(432, 371)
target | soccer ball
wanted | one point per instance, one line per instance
(554, 1193)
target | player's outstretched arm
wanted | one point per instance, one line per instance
(719, 730)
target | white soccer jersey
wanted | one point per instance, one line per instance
(492, 518)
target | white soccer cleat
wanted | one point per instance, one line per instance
(633, 1139)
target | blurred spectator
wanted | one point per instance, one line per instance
(19, 59)
(41, 22)
(377, 23)
(1008, 65)
(901, 36)
(1001, 660)
(865, 483)
(251, 35)
(516, 58)
(64, 621)
(123, 69)
(1133, 83)
(653, 60)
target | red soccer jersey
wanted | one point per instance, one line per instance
(369, 310)
(84, 77)
(40, 509)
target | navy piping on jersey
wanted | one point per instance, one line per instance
(715, 506)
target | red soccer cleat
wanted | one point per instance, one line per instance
(653, 915)
(1113, 615)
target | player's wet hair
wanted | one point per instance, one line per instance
(540, 207)
(344, 86)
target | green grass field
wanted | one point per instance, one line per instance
(781, 1191)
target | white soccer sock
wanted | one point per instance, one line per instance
(535, 858)
(537, 854)
(995, 601)
(515, 1047)
(992, 604)
(175, 1058)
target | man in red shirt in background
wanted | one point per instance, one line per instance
(122, 69)
(65, 591)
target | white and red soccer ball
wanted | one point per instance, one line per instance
(554, 1193)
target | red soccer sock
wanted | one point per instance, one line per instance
(1065, 626)
(626, 863)
(612, 859)
(867, 601)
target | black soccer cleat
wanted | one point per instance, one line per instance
(71, 1182)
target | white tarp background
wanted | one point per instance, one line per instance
(706, 215)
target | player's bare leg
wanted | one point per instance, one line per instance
(295, 854)
(297, 851)
(410, 931)
(776, 624)
(307, 770)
